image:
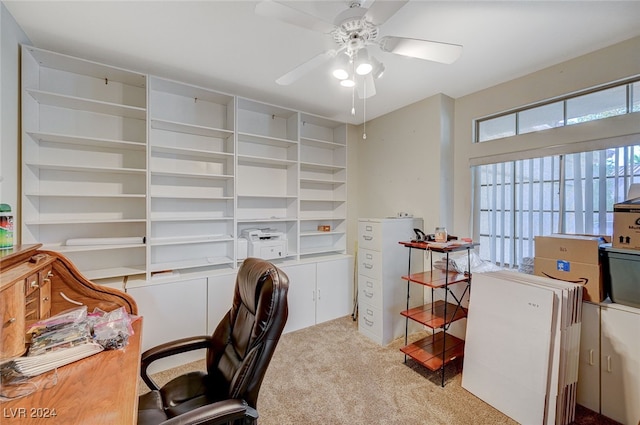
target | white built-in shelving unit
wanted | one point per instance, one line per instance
(267, 172)
(191, 178)
(323, 181)
(84, 153)
(175, 171)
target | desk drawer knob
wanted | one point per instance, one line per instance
(11, 320)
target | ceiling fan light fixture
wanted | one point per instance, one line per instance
(378, 68)
(363, 64)
(347, 83)
(340, 74)
(340, 71)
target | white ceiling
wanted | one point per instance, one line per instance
(226, 46)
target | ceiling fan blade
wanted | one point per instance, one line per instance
(272, 9)
(366, 87)
(305, 67)
(421, 49)
(380, 11)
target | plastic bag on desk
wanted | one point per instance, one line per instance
(112, 330)
(464, 261)
(60, 320)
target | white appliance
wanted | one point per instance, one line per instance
(267, 244)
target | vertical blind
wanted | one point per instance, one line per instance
(572, 193)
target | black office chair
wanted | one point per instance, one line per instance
(238, 354)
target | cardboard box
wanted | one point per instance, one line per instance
(572, 258)
(569, 247)
(626, 224)
(588, 275)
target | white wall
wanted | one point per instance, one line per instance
(11, 36)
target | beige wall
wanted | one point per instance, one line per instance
(617, 62)
(416, 159)
(401, 165)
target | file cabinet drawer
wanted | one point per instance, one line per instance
(370, 263)
(370, 235)
(370, 291)
(370, 320)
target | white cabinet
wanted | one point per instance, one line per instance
(382, 293)
(589, 367)
(219, 298)
(267, 170)
(84, 162)
(318, 292)
(620, 363)
(191, 169)
(323, 181)
(301, 296)
(172, 311)
(611, 381)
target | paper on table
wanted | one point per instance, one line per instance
(36, 365)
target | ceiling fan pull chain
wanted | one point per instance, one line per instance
(364, 112)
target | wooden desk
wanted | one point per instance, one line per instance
(100, 389)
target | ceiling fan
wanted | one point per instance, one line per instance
(354, 30)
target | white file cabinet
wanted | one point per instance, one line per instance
(382, 294)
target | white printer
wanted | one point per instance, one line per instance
(265, 243)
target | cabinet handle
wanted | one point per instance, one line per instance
(11, 320)
(590, 357)
(369, 284)
(368, 294)
(368, 228)
(370, 312)
(368, 266)
(368, 322)
(318, 294)
(609, 364)
(369, 256)
(367, 238)
(45, 299)
(34, 284)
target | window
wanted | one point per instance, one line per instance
(598, 105)
(592, 105)
(572, 193)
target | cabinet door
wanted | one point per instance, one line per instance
(620, 378)
(589, 366)
(334, 289)
(301, 296)
(171, 311)
(220, 296)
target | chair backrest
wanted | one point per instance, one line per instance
(246, 338)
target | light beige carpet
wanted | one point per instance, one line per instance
(330, 374)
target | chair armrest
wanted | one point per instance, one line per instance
(221, 412)
(169, 349)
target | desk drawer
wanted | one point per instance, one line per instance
(370, 235)
(370, 263)
(370, 291)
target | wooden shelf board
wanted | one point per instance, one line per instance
(433, 316)
(428, 351)
(436, 278)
